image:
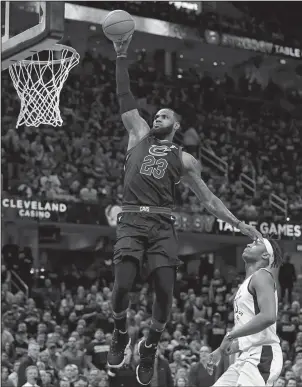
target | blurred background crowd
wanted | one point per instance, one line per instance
(83, 161)
(63, 328)
(244, 19)
(57, 332)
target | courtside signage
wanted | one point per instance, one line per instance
(34, 208)
(209, 224)
(188, 222)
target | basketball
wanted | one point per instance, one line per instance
(118, 25)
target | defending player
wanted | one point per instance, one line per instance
(255, 314)
(145, 231)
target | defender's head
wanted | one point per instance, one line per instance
(165, 122)
(266, 251)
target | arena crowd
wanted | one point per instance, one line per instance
(59, 335)
(63, 330)
(248, 19)
(83, 160)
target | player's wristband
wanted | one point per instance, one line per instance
(237, 224)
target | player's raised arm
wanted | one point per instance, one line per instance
(192, 175)
(134, 123)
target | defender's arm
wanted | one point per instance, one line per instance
(192, 175)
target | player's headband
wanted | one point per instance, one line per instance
(269, 249)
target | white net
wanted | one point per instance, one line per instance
(39, 84)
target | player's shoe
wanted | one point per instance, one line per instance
(117, 352)
(144, 371)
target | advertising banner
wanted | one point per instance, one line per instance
(98, 214)
(209, 224)
(228, 40)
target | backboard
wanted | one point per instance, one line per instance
(28, 27)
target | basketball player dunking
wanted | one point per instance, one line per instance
(254, 335)
(145, 231)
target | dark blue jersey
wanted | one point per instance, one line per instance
(152, 169)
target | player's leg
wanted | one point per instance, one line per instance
(229, 378)
(262, 368)
(163, 279)
(125, 273)
(163, 282)
(162, 261)
(129, 251)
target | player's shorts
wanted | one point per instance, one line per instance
(258, 366)
(149, 239)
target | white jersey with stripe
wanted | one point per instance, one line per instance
(245, 308)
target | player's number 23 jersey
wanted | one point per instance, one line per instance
(152, 169)
(245, 308)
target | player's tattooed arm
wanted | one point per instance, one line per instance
(192, 172)
(192, 175)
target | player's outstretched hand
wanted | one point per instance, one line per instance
(225, 344)
(121, 48)
(250, 231)
(213, 361)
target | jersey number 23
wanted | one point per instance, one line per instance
(153, 166)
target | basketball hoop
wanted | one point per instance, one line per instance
(39, 83)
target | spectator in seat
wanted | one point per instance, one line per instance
(81, 382)
(53, 355)
(5, 381)
(162, 376)
(191, 141)
(53, 180)
(71, 372)
(46, 379)
(64, 383)
(287, 278)
(248, 211)
(216, 331)
(21, 342)
(72, 355)
(181, 382)
(280, 382)
(9, 349)
(89, 193)
(29, 360)
(286, 329)
(5, 274)
(97, 350)
(177, 362)
(32, 375)
(41, 340)
(291, 383)
(8, 296)
(14, 375)
(94, 377)
(6, 336)
(198, 375)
